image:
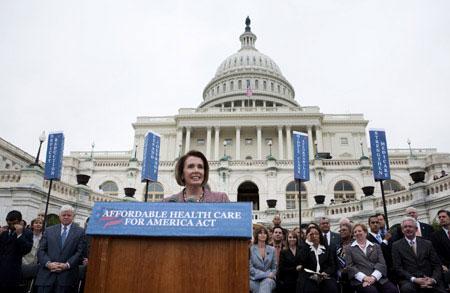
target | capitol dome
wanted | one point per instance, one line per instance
(248, 78)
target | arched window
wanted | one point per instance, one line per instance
(292, 194)
(344, 191)
(109, 187)
(155, 192)
(391, 186)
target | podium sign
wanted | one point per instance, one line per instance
(171, 219)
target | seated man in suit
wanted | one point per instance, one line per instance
(416, 263)
(15, 242)
(59, 255)
(374, 236)
(441, 242)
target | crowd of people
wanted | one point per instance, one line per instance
(363, 257)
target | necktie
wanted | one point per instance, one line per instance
(63, 236)
(379, 238)
(448, 232)
(325, 235)
(413, 246)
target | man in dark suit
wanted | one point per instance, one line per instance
(441, 242)
(331, 238)
(423, 229)
(415, 261)
(59, 255)
(15, 242)
(374, 236)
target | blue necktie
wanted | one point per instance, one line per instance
(63, 236)
(379, 238)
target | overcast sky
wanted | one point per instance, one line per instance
(90, 68)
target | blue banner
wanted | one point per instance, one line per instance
(301, 156)
(380, 158)
(53, 161)
(150, 163)
(232, 220)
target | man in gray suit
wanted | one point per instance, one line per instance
(416, 263)
(60, 253)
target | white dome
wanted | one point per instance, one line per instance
(248, 59)
(248, 75)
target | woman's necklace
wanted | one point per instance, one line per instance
(192, 198)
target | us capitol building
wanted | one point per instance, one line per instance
(243, 125)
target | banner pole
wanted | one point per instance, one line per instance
(299, 204)
(48, 200)
(146, 189)
(384, 205)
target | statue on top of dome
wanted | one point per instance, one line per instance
(247, 24)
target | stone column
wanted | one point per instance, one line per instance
(188, 140)
(238, 143)
(258, 142)
(280, 143)
(216, 143)
(208, 143)
(288, 143)
(319, 139)
(179, 142)
(310, 144)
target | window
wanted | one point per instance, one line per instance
(264, 85)
(344, 141)
(224, 87)
(272, 87)
(256, 84)
(217, 89)
(155, 192)
(279, 88)
(239, 84)
(344, 191)
(248, 141)
(200, 141)
(228, 141)
(391, 186)
(109, 187)
(231, 85)
(292, 194)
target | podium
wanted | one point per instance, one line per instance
(169, 247)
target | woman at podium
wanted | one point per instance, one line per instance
(263, 265)
(192, 172)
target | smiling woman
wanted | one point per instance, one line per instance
(192, 172)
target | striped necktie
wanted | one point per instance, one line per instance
(63, 236)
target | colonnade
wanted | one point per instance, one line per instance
(283, 140)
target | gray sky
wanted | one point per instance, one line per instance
(90, 68)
